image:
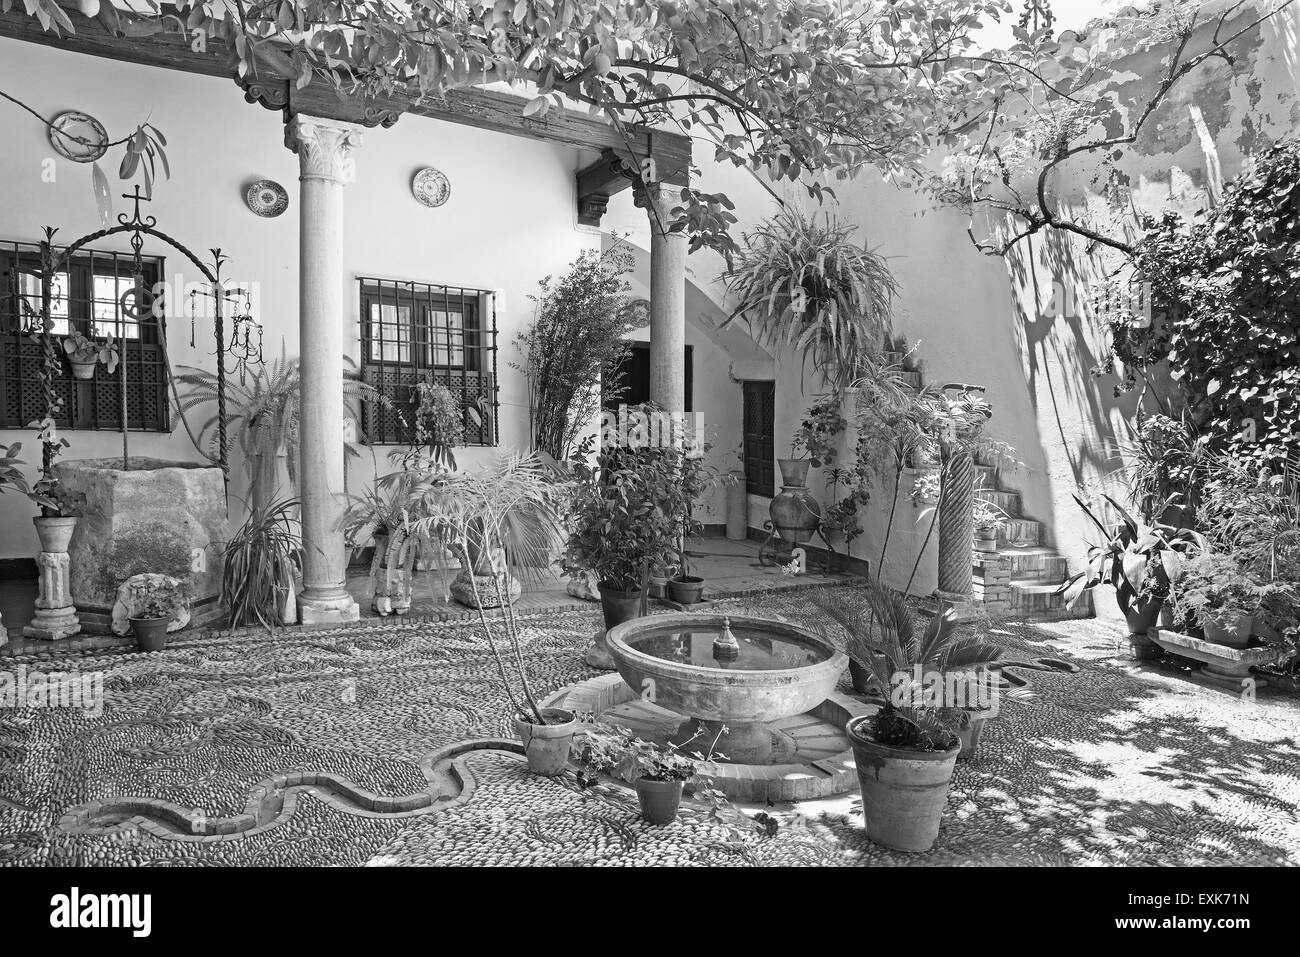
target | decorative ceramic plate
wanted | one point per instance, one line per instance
(267, 198)
(431, 187)
(78, 136)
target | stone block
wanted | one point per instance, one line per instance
(153, 516)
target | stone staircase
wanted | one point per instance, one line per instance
(1021, 577)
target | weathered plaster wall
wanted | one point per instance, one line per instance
(511, 219)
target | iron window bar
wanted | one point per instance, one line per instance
(414, 332)
(98, 294)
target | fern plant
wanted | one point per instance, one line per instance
(262, 413)
(802, 282)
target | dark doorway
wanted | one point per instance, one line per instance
(635, 379)
(759, 424)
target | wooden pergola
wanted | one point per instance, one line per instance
(324, 129)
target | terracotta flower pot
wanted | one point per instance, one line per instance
(150, 633)
(547, 745)
(686, 589)
(903, 792)
(55, 532)
(660, 800)
(986, 539)
(1231, 630)
(82, 370)
(618, 606)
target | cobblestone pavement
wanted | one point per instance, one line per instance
(316, 749)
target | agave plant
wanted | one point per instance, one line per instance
(883, 639)
(507, 516)
(262, 412)
(1140, 560)
(260, 561)
(801, 282)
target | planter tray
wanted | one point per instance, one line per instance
(1224, 665)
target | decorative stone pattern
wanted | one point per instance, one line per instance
(56, 616)
(157, 516)
(1106, 766)
(125, 608)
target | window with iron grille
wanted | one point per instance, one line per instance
(415, 332)
(98, 294)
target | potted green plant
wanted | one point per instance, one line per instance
(905, 751)
(1142, 561)
(261, 560)
(1214, 591)
(60, 510)
(510, 511)
(659, 774)
(381, 514)
(988, 521)
(624, 519)
(84, 354)
(154, 603)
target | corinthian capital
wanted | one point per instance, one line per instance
(324, 147)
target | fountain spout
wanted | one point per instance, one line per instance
(725, 646)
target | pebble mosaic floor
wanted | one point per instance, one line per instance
(1108, 765)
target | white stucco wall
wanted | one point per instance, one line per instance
(511, 219)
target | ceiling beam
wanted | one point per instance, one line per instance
(483, 109)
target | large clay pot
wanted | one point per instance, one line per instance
(547, 745)
(903, 792)
(660, 800)
(795, 513)
(55, 532)
(1231, 630)
(1140, 616)
(618, 606)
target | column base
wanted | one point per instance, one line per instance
(964, 607)
(328, 611)
(51, 624)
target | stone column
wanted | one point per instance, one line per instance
(957, 527)
(667, 300)
(324, 149)
(56, 616)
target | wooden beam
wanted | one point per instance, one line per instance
(484, 109)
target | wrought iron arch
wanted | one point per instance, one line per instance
(138, 227)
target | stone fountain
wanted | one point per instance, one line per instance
(760, 692)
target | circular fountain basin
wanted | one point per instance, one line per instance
(781, 669)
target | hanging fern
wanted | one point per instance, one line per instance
(800, 282)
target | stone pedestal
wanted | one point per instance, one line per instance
(56, 615)
(155, 516)
(486, 589)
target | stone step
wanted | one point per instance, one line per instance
(1043, 600)
(986, 476)
(1020, 531)
(1009, 502)
(1036, 564)
(893, 358)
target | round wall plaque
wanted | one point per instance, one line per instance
(430, 187)
(78, 136)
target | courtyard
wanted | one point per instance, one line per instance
(578, 433)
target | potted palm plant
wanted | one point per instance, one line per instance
(509, 511)
(906, 750)
(155, 601)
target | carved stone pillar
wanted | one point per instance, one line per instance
(56, 616)
(324, 149)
